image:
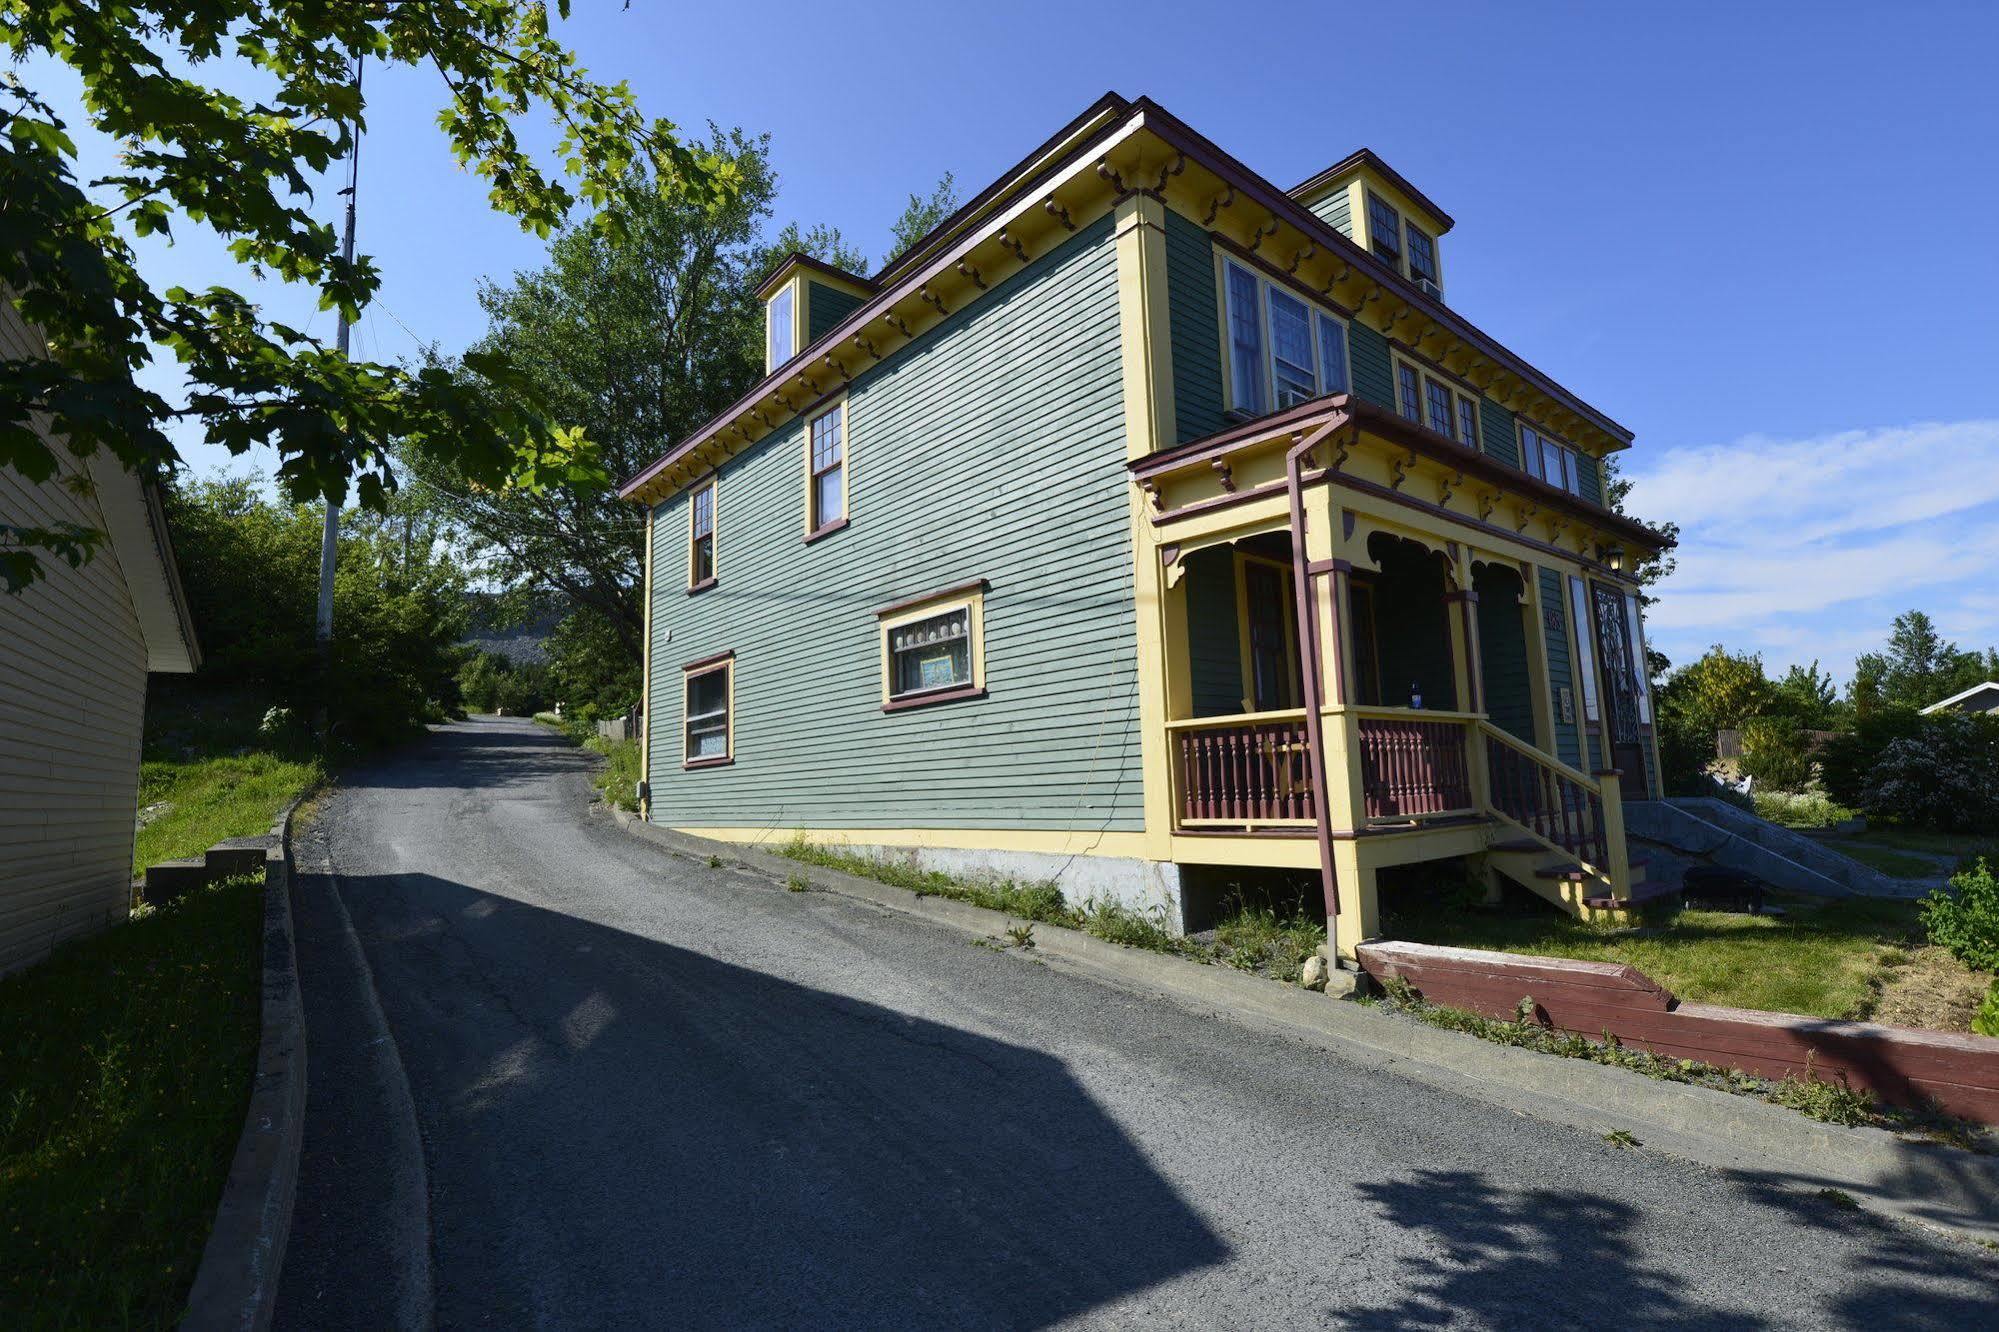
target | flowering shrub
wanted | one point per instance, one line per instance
(1944, 775)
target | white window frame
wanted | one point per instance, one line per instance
(1535, 446)
(968, 600)
(789, 295)
(814, 527)
(1584, 624)
(1318, 319)
(724, 665)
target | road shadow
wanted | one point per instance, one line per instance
(1526, 1258)
(622, 1132)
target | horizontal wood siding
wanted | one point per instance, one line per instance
(1214, 643)
(72, 699)
(1589, 478)
(1195, 329)
(1336, 210)
(1373, 372)
(1498, 432)
(825, 307)
(992, 447)
(1555, 597)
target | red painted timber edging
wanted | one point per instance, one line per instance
(1901, 1065)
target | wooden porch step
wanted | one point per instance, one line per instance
(1651, 890)
(1517, 844)
(1574, 873)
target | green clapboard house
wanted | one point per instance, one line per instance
(1143, 527)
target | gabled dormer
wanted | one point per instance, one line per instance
(1384, 214)
(803, 299)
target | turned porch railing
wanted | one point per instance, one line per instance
(1548, 798)
(1413, 765)
(1248, 771)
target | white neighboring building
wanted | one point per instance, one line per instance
(1978, 698)
(75, 648)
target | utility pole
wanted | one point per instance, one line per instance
(330, 539)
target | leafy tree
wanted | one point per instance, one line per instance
(1848, 760)
(490, 682)
(821, 242)
(920, 217)
(1808, 697)
(242, 166)
(1776, 753)
(1719, 692)
(1616, 488)
(251, 569)
(1943, 775)
(1919, 666)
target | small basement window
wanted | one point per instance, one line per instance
(709, 710)
(933, 648)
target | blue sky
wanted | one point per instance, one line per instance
(1761, 236)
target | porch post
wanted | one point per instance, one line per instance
(1147, 378)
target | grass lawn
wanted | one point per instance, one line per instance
(1921, 840)
(1894, 864)
(210, 773)
(125, 1064)
(1822, 959)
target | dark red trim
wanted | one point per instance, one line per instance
(941, 696)
(1275, 274)
(1367, 157)
(709, 762)
(902, 275)
(701, 586)
(1397, 429)
(713, 659)
(804, 260)
(956, 590)
(1310, 667)
(825, 530)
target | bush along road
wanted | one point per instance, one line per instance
(606, 1085)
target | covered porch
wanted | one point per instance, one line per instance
(1359, 661)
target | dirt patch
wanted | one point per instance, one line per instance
(1932, 990)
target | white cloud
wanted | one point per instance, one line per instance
(1807, 548)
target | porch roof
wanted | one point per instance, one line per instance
(1344, 408)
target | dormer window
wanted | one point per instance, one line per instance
(1384, 231)
(1554, 463)
(779, 324)
(1422, 256)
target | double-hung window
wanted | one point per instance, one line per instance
(1422, 254)
(1554, 463)
(708, 711)
(1282, 349)
(1384, 231)
(1245, 302)
(1430, 400)
(701, 538)
(933, 648)
(826, 471)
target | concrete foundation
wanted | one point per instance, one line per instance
(1149, 886)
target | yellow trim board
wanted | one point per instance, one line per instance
(971, 600)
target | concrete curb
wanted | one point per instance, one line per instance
(236, 1285)
(1936, 1186)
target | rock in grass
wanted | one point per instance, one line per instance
(1313, 975)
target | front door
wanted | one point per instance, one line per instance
(1620, 689)
(1272, 650)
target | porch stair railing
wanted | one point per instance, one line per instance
(1568, 826)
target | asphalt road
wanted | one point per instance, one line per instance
(604, 1087)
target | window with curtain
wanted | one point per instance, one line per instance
(1279, 339)
(707, 714)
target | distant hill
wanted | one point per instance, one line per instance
(524, 644)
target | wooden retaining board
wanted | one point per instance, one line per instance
(1902, 1066)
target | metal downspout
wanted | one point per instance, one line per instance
(1309, 650)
